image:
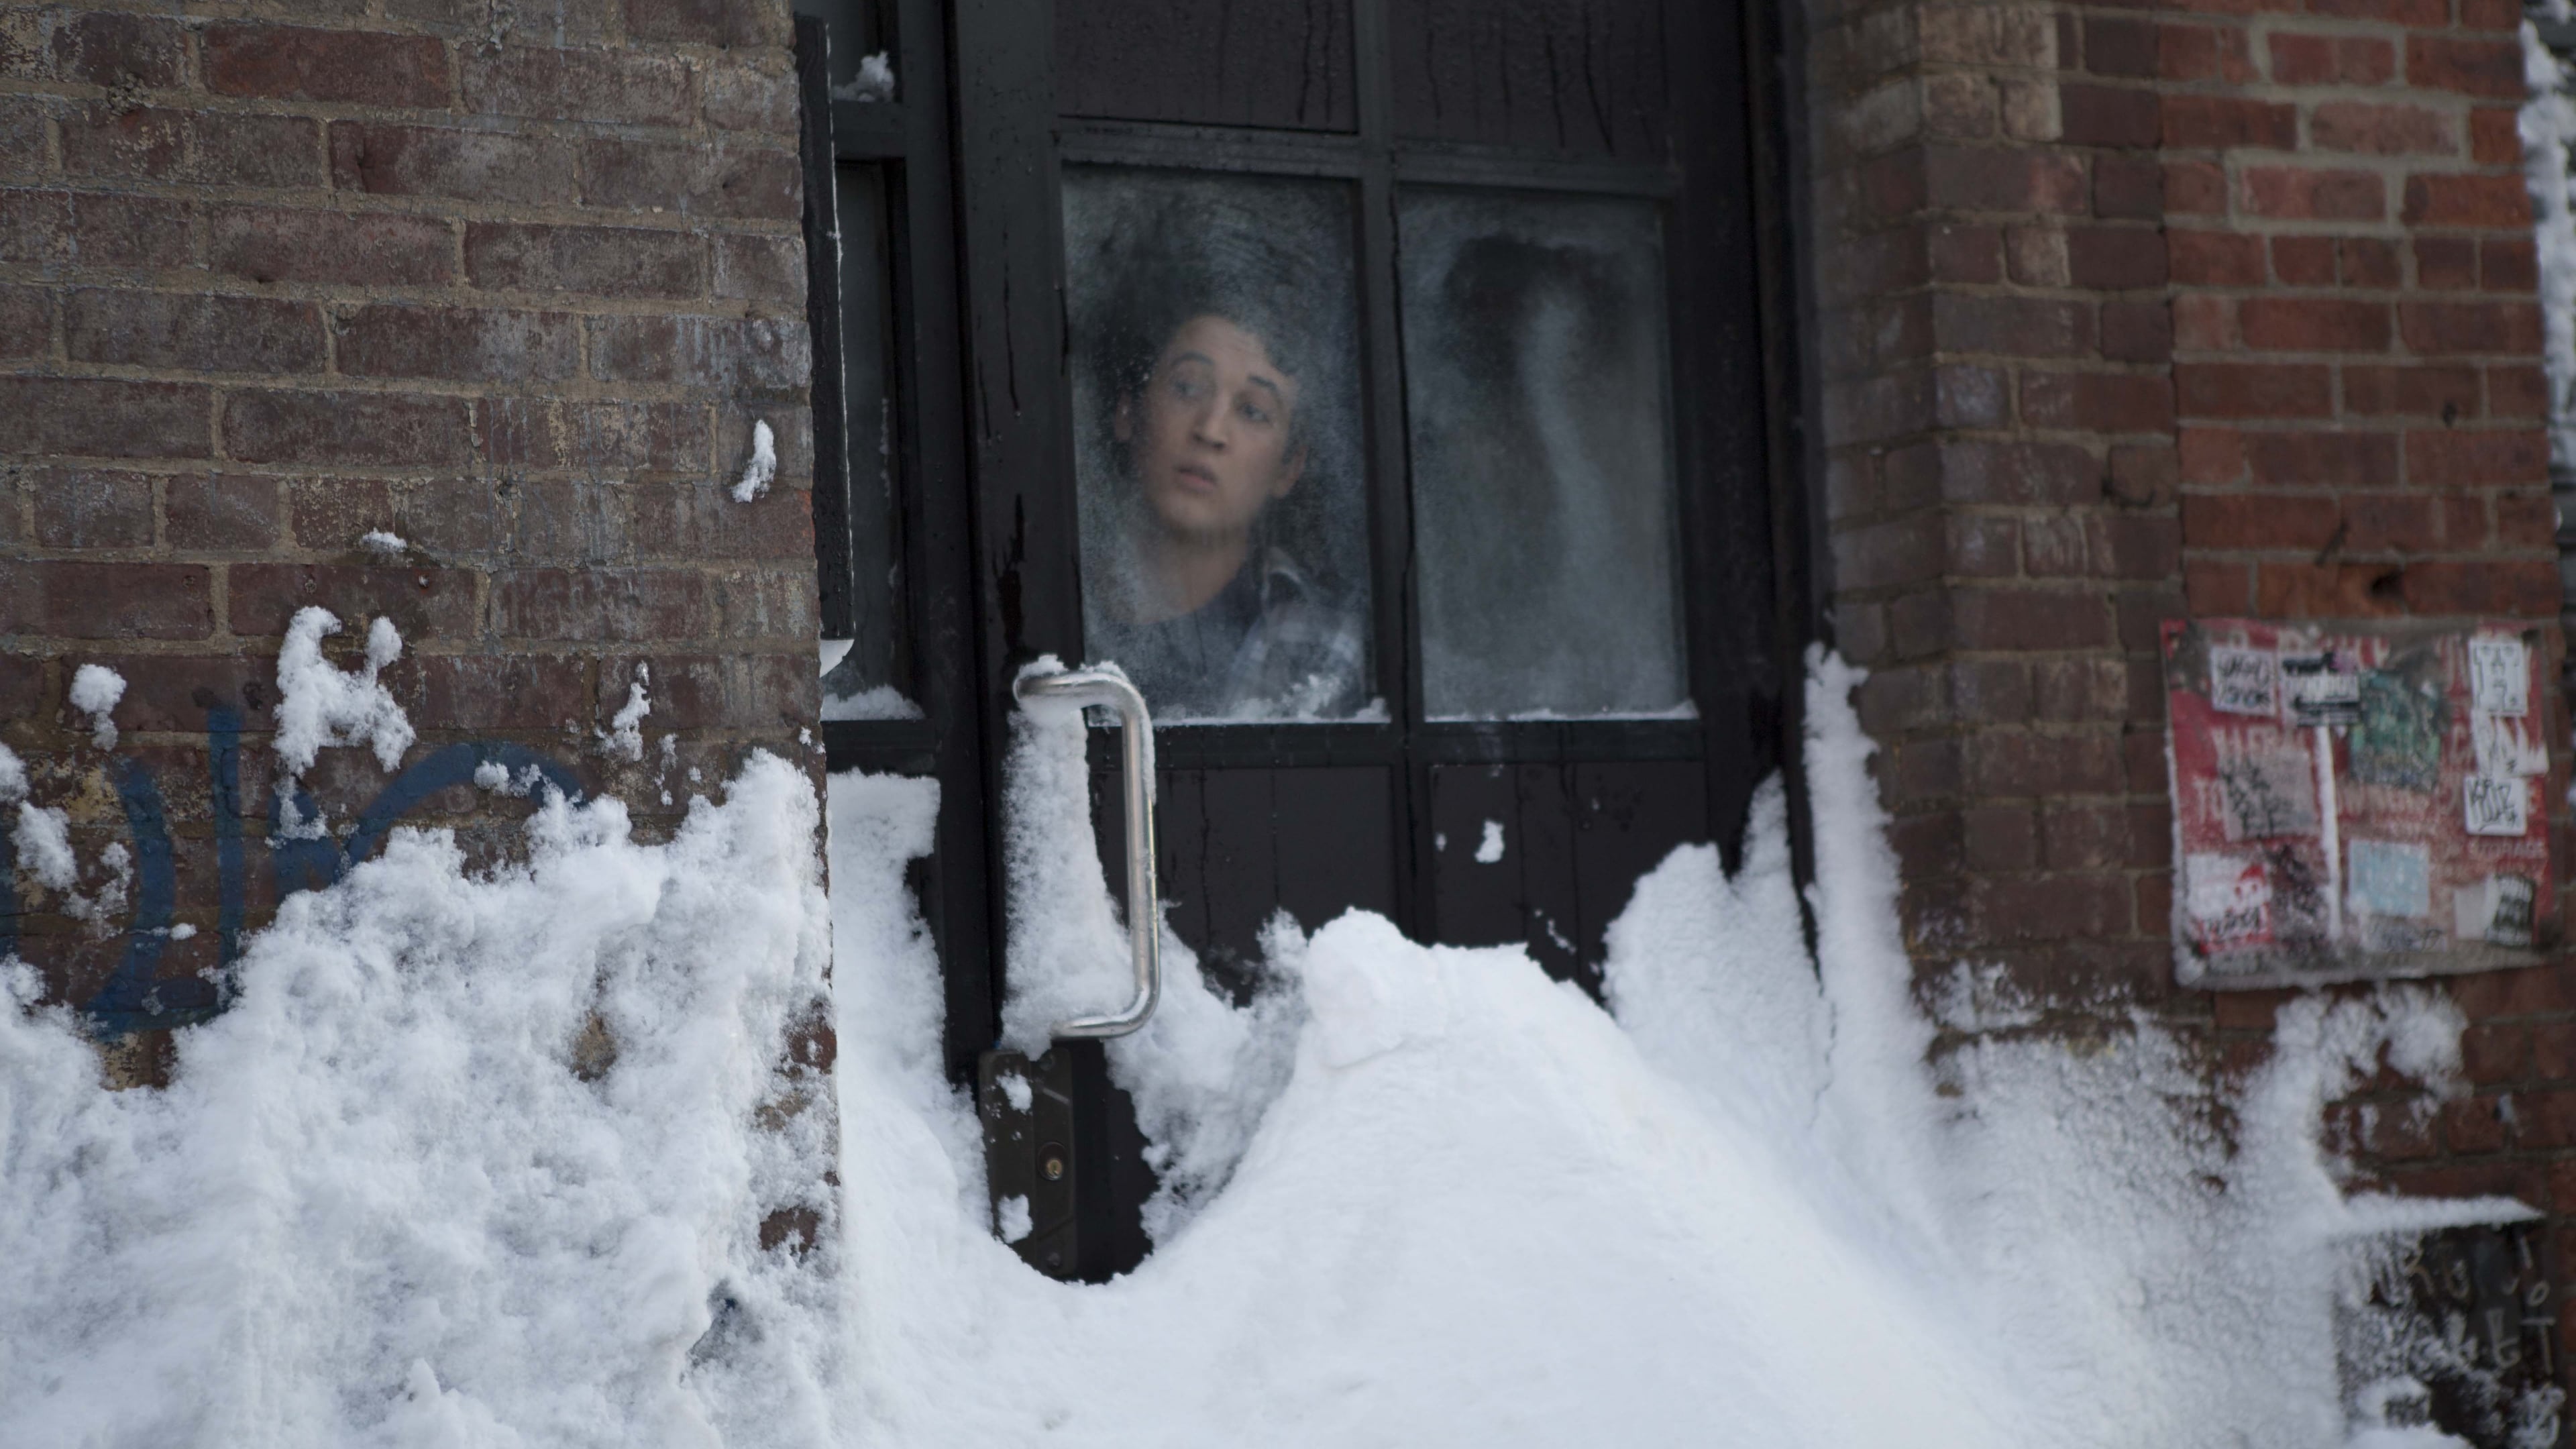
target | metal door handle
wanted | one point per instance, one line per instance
(1144, 903)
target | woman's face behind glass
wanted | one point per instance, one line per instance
(1210, 432)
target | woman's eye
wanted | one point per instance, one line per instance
(1185, 387)
(1253, 412)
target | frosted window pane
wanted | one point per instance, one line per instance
(1216, 439)
(1536, 402)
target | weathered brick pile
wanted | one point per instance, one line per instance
(2224, 307)
(511, 282)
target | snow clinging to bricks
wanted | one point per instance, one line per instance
(95, 691)
(321, 705)
(624, 737)
(762, 467)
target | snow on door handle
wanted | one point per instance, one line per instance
(1144, 906)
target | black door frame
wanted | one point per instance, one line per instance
(909, 138)
(985, 436)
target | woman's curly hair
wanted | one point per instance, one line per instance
(1146, 257)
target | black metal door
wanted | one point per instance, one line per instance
(1392, 385)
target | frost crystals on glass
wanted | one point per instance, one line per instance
(1544, 526)
(1216, 393)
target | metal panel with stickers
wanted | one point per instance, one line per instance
(2357, 801)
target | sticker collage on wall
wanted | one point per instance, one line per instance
(2354, 802)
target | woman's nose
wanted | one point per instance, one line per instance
(1209, 426)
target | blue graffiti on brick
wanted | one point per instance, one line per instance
(134, 997)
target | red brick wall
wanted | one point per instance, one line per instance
(2001, 475)
(2360, 410)
(511, 282)
(2224, 307)
(2128, 313)
(2356, 329)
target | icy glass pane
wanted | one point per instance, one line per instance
(1217, 442)
(1536, 400)
(857, 539)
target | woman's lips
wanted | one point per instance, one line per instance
(1195, 479)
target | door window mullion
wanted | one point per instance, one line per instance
(1391, 510)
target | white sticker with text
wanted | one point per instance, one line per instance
(2496, 804)
(2244, 681)
(2499, 675)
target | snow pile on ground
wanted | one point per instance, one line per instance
(466, 1164)
(1431, 1197)
(1473, 1214)
(482, 1162)
(1202, 1070)
(2154, 1287)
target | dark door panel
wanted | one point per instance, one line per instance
(1548, 843)
(1180, 844)
(1504, 839)
(1559, 75)
(1337, 830)
(1239, 869)
(1235, 846)
(1629, 816)
(1475, 902)
(1547, 855)
(892, 492)
(1284, 64)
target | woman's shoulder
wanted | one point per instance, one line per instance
(1291, 592)
(1311, 650)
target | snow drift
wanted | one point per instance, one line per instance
(399, 1195)
(1466, 1205)
(482, 1160)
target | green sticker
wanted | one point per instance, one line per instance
(2398, 740)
